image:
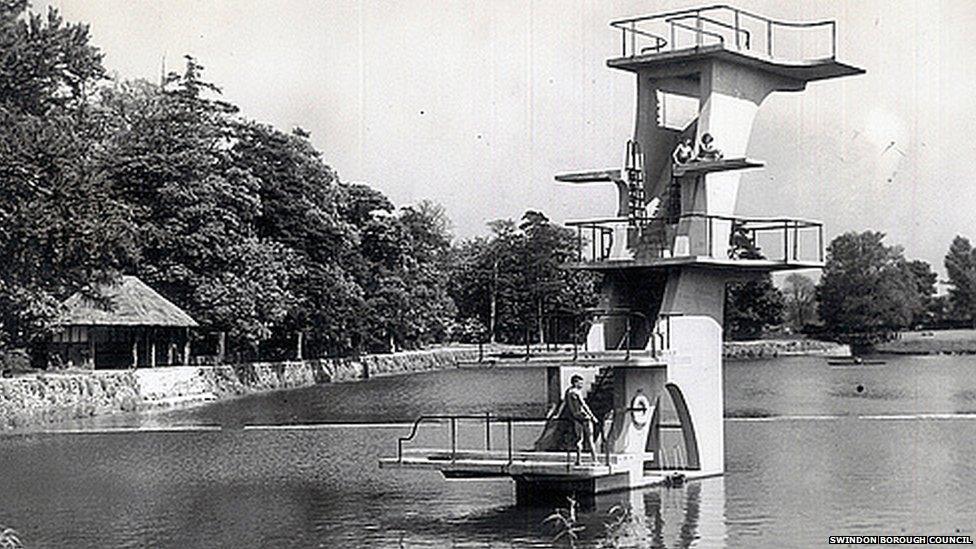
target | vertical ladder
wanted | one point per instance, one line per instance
(636, 200)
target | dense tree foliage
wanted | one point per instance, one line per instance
(960, 264)
(751, 307)
(507, 285)
(800, 300)
(868, 288)
(60, 226)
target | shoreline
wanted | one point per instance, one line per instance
(773, 348)
(46, 399)
(51, 398)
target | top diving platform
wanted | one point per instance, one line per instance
(798, 52)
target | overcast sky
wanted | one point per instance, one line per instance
(477, 104)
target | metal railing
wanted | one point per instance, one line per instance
(709, 25)
(488, 419)
(660, 340)
(658, 238)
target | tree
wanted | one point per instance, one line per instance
(867, 289)
(800, 301)
(754, 305)
(960, 264)
(925, 279)
(512, 281)
(61, 228)
(170, 157)
(751, 307)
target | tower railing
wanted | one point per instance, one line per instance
(693, 234)
(722, 25)
(578, 323)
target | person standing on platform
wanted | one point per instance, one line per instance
(583, 418)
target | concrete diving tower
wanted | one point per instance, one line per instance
(653, 359)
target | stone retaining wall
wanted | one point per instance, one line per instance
(772, 348)
(49, 398)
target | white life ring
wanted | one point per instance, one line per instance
(640, 410)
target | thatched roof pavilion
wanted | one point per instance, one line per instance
(122, 325)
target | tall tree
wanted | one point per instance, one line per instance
(60, 227)
(513, 280)
(751, 307)
(800, 299)
(754, 305)
(171, 158)
(867, 288)
(960, 264)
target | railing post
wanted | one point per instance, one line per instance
(400, 450)
(708, 236)
(820, 247)
(737, 46)
(769, 38)
(487, 431)
(672, 36)
(528, 348)
(833, 40)
(593, 241)
(481, 351)
(633, 38)
(796, 239)
(786, 242)
(575, 337)
(453, 438)
(508, 422)
(627, 356)
(698, 29)
(623, 42)
(579, 243)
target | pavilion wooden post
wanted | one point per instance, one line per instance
(135, 350)
(221, 347)
(170, 347)
(91, 346)
(298, 344)
(186, 348)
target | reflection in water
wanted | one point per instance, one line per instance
(656, 517)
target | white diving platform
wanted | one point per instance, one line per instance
(702, 167)
(596, 176)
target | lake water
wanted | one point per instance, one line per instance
(812, 451)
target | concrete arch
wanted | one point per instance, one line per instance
(687, 427)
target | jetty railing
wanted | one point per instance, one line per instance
(487, 419)
(721, 25)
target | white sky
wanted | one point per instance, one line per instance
(478, 104)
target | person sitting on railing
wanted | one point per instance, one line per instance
(683, 153)
(706, 149)
(583, 418)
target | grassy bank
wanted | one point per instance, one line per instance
(926, 342)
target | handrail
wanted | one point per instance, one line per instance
(630, 25)
(509, 421)
(716, 7)
(644, 240)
